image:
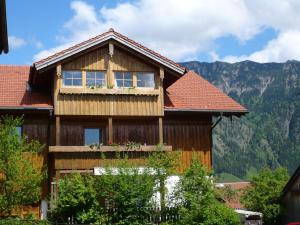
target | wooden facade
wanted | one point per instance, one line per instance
(108, 100)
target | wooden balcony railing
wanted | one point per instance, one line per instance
(110, 148)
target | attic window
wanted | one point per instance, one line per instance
(145, 80)
(72, 78)
(123, 79)
(95, 78)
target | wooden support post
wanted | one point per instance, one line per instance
(161, 88)
(160, 130)
(57, 130)
(110, 74)
(110, 130)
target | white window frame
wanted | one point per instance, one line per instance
(123, 72)
(143, 73)
(72, 86)
(95, 79)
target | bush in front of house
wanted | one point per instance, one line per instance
(199, 200)
(123, 194)
(264, 193)
(20, 178)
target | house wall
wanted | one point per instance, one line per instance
(192, 135)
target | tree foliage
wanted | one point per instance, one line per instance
(20, 179)
(199, 202)
(264, 193)
(123, 194)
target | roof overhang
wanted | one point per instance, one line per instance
(25, 108)
(211, 111)
(111, 35)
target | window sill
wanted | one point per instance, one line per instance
(105, 91)
(107, 148)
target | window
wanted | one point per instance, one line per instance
(123, 79)
(92, 136)
(19, 130)
(145, 80)
(95, 78)
(72, 78)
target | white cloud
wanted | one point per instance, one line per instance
(285, 46)
(183, 29)
(15, 42)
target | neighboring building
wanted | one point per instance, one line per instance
(290, 199)
(231, 193)
(110, 89)
(3, 28)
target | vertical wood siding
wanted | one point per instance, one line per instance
(191, 136)
(97, 104)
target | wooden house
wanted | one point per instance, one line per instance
(110, 89)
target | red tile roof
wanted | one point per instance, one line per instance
(193, 92)
(13, 93)
(103, 36)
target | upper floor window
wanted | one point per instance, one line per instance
(92, 136)
(72, 78)
(145, 80)
(123, 79)
(95, 78)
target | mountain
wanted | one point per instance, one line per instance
(270, 133)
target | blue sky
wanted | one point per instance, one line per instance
(225, 30)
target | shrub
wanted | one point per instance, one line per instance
(20, 179)
(199, 202)
(264, 193)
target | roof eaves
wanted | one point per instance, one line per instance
(25, 108)
(206, 110)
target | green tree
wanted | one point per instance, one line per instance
(199, 202)
(128, 190)
(77, 201)
(20, 179)
(264, 193)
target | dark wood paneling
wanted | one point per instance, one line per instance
(143, 131)
(192, 135)
(72, 130)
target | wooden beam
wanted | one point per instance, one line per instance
(110, 75)
(160, 130)
(57, 130)
(110, 130)
(161, 88)
(57, 85)
(107, 148)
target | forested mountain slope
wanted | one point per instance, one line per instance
(270, 133)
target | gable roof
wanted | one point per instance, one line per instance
(111, 34)
(13, 90)
(192, 92)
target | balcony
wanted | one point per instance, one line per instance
(109, 148)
